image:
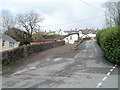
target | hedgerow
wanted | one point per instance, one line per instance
(109, 41)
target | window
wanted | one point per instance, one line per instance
(11, 45)
(70, 37)
(3, 43)
(90, 32)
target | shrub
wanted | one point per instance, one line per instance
(109, 41)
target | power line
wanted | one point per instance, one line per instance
(78, 20)
(74, 21)
(91, 5)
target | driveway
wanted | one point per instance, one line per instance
(62, 67)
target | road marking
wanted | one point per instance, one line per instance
(18, 72)
(114, 67)
(111, 70)
(108, 73)
(71, 59)
(57, 59)
(33, 68)
(76, 56)
(104, 78)
(34, 64)
(79, 65)
(99, 84)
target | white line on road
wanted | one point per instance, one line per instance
(108, 73)
(115, 65)
(76, 56)
(18, 72)
(21, 71)
(33, 68)
(57, 59)
(71, 59)
(99, 84)
(79, 65)
(104, 78)
(34, 64)
(111, 70)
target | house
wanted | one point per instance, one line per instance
(52, 33)
(60, 32)
(91, 33)
(71, 38)
(69, 32)
(7, 43)
(18, 35)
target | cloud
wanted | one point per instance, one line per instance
(60, 11)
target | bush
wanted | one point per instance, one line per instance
(109, 41)
(41, 35)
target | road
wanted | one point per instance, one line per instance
(63, 67)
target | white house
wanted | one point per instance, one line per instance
(7, 43)
(51, 33)
(71, 38)
(60, 32)
(87, 33)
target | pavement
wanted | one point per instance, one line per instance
(62, 67)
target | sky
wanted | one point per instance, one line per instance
(61, 14)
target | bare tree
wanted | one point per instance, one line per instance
(112, 13)
(8, 20)
(29, 21)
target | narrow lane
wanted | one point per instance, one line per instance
(63, 68)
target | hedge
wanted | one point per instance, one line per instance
(109, 41)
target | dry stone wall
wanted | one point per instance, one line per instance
(13, 55)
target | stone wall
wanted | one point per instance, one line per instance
(13, 55)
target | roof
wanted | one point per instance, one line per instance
(72, 34)
(15, 31)
(45, 40)
(6, 37)
(94, 31)
(86, 31)
(52, 32)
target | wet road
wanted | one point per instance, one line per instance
(62, 68)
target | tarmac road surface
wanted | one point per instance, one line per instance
(64, 68)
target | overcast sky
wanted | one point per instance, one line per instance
(61, 14)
